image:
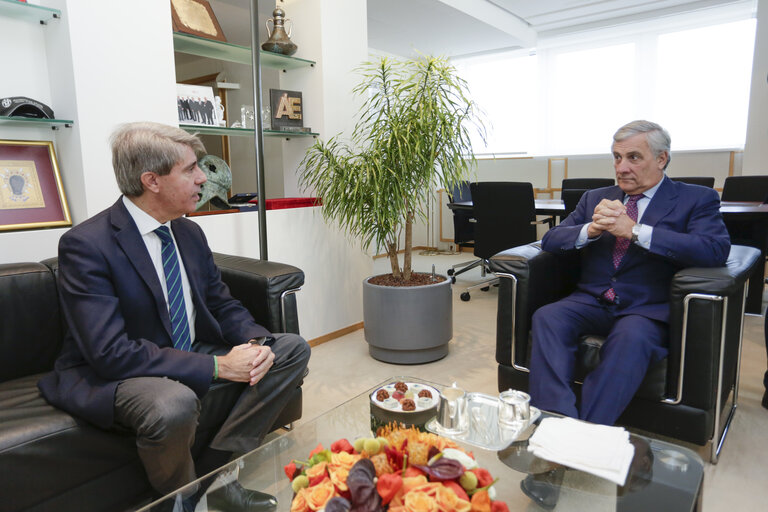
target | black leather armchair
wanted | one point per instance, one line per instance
(50, 460)
(685, 395)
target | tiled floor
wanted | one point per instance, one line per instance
(341, 369)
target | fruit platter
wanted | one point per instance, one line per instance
(400, 470)
(404, 403)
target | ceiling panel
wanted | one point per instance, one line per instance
(461, 27)
(431, 27)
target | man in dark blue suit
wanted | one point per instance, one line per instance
(151, 324)
(632, 238)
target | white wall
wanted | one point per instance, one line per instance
(122, 67)
(333, 33)
(24, 50)
(756, 147)
(334, 266)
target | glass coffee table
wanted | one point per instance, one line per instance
(663, 476)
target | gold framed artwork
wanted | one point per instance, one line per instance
(197, 18)
(31, 192)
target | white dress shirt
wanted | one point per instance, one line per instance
(147, 226)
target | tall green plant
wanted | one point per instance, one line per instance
(412, 138)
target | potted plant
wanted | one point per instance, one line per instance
(411, 138)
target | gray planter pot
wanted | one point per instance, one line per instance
(408, 324)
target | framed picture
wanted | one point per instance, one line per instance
(196, 105)
(31, 193)
(196, 17)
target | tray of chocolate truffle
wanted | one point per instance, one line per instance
(402, 402)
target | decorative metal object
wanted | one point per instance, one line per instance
(279, 40)
(219, 175)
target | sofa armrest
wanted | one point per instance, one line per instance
(265, 288)
(706, 317)
(530, 278)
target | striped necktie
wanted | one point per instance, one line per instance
(622, 244)
(176, 306)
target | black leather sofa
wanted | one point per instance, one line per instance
(685, 395)
(51, 461)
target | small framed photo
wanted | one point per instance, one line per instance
(197, 18)
(196, 105)
(31, 192)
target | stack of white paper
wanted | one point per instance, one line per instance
(597, 449)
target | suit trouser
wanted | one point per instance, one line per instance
(632, 344)
(163, 413)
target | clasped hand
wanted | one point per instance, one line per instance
(246, 363)
(610, 216)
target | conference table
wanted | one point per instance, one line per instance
(746, 217)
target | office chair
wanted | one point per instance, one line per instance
(505, 215)
(685, 395)
(463, 226)
(748, 231)
(586, 183)
(572, 189)
(570, 197)
(745, 188)
(704, 181)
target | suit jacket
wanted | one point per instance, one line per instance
(688, 230)
(117, 316)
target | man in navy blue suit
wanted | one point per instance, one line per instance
(141, 349)
(632, 238)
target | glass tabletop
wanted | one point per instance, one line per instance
(661, 474)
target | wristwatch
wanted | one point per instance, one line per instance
(635, 233)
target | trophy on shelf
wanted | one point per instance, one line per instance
(279, 40)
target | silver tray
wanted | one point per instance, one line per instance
(484, 431)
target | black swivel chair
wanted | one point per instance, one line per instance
(505, 214)
(573, 188)
(745, 188)
(463, 226)
(586, 183)
(570, 197)
(704, 181)
(745, 231)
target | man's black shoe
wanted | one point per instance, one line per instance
(544, 488)
(234, 497)
(765, 399)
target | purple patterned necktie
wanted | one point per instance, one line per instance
(622, 244)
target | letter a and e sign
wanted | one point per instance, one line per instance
(286, 109)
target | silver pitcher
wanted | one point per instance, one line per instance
(452, 411)
(279, 40)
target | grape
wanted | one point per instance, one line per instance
(468, 481)
(299, 483)
(372, 446)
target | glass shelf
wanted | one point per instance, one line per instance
(240, 132)
(279, 133)
(29, 121)
(202, 47)
(28, 12)
(217, 130)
